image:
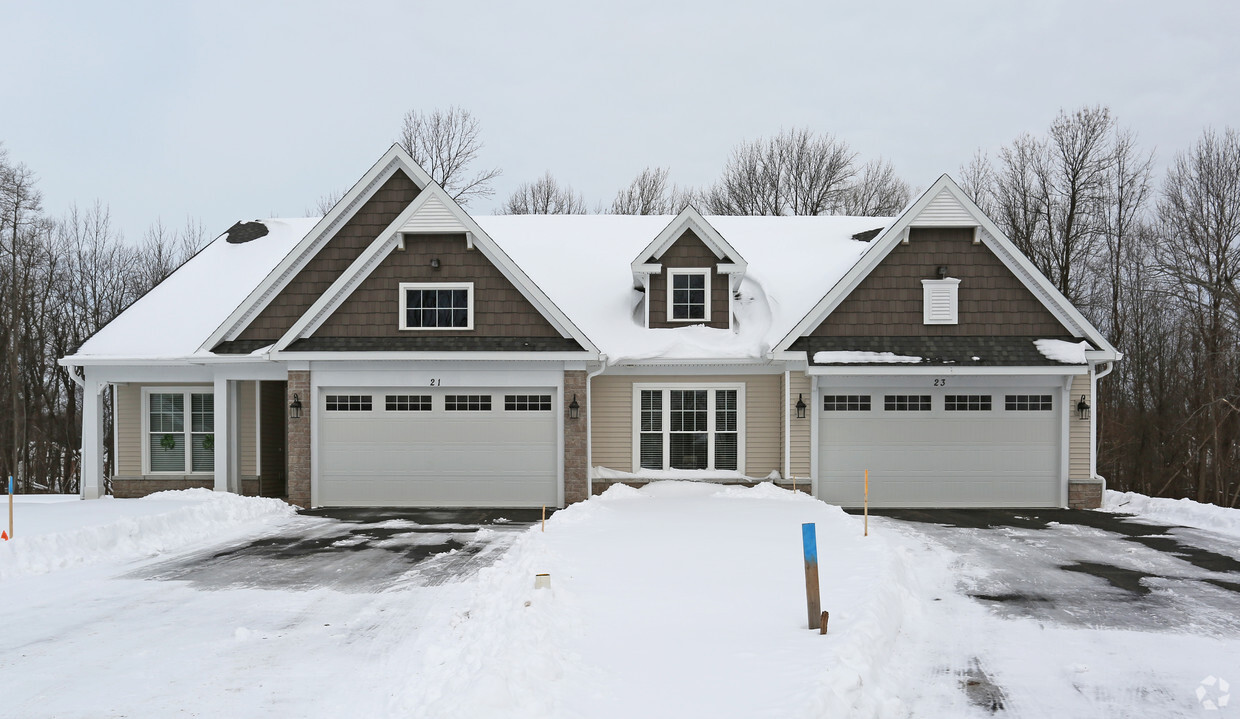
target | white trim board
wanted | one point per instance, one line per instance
(689, 218)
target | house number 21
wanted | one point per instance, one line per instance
(436, 382)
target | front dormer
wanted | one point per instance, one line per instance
(688, 275)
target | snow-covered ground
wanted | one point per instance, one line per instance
(680, 599)
(1174, 511)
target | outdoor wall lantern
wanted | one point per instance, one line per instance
(1082, 409)
(941, 271)
(574, 409)
(294, 407)
(800, 405)
(435, 264)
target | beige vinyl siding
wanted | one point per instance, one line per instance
(128, 430)
(1078, 429)
(129, 427)
(247, 429)
(612, 419)
(800, 444)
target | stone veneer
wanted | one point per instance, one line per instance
(575, 469)
(299, 440)
(136, 487)
(1084, 495)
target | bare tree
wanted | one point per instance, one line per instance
(446, 143)
(794, 173)
(324, 204)
(650, 194)
(1200, 253)
(164, 250)
(545, 196)
(877, 192)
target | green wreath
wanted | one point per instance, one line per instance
(168, 442)
(208, 442)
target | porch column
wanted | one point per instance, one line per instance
(224, 430)
(92, 484)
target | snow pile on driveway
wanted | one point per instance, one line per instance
(52, 535)
(1175, 511)
(678, 599)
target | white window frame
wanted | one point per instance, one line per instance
(932, 289)
(666, 425)
(672, 273)
(187, 408)
(404, 300)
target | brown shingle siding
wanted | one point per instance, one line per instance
(373, 310)
(340, 251)
(689, 251)
(992, 300)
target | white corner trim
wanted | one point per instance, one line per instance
(404, 296)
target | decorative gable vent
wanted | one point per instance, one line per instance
(944, 211)
(432, 217)
(939, 301)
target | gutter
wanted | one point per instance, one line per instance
(589, 426)
(1093, 424)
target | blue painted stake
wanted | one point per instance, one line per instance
(809, 538)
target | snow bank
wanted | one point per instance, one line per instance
(1061, 351)
(851, 357)
(53, 536)
(1176, 511)
(677, 599)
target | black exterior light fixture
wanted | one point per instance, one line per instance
(574, 409)
(941, 272)
(1082, 409)
(294, 407)
(435, 263)
(800, 405)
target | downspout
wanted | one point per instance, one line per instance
(1094, 376)
(787, 424)
(590, 426)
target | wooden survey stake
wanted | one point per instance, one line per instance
(809, 540)
(867, 503)
(10, 536)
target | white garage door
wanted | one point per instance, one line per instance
(422, 447)
(967, 448)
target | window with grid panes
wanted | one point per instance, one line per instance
(1028, 402)
(906, 403)
(467, 403)
(966, 403)
(407, 403)
(527, 402)
(175, 444)
(846, 403)
(677, 431)
(688, 295)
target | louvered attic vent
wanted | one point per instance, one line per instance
(939, 301)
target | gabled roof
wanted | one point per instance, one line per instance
(945, 204)
(689, 219)
(432, 210)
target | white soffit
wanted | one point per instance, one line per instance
(944, 211)
(434, 216)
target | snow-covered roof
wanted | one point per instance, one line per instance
(582, 262)
(175, 318)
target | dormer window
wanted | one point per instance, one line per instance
(437, 305)
(940, 304)
(688, 295)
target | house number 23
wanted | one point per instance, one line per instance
(940, 383)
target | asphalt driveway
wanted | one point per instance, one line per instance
(355, 550)
(1088, 568)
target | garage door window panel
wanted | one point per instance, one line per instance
(467, 403)
(349, 403)
(967, 403)
(437, 306)
(846, 403)
(691, 428)
(906, 403)
(407, 403)
(1028, 403)
(527, 403)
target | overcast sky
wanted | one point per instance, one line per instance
(225, 111)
